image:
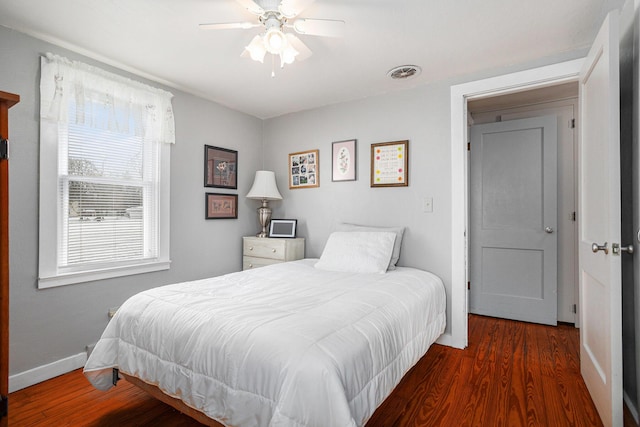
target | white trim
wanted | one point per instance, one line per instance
(515, 82)
(89, 276)
(446, 339)
(46, 372)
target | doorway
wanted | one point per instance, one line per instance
(560, 101)
(550, 75)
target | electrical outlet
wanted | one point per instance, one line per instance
(427, 204)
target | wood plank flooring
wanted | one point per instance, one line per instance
(512, 374)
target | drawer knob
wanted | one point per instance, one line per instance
(250, 248)
(250, 265)
(273, 250)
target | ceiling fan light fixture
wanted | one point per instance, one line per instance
(256, 49)
(275, 41)
(275, 16)
(288, 55)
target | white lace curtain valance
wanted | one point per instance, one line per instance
(77, 93)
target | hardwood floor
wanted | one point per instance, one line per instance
(512, 374)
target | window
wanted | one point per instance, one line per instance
(104, 174)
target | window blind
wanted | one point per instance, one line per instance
(107, 196)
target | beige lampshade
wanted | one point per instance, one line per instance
(264, 187)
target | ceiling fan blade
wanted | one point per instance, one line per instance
(291, 8)
(319, 27)
(303, 51)
(229, 26)
(251, 6)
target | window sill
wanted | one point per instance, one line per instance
(106, 273)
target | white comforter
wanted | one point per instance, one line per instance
(284, 345)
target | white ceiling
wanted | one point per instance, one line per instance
(160, 39)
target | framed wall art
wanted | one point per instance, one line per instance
(343, 160)
(220, 167)
(304, 169)
(390, 164)
(221, 206)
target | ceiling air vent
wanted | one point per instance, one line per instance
(404, 72)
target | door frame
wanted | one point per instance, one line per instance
(500, 85)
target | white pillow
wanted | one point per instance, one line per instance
(396, 246)
(357, 252)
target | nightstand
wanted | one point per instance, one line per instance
(261, 251)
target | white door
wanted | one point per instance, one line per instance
(599, 225)
(513, 240)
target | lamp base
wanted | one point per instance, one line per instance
(264, 217)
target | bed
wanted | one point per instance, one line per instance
(292, 344)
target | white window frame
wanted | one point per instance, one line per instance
(50, 275)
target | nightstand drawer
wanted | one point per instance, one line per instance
(259, 251)
(249, 262)
(265, 248)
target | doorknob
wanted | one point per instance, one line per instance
(616, 248)
(548, 230)
(596, 247)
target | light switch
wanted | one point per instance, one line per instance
(427, 204)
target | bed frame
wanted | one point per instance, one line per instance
(172, 401)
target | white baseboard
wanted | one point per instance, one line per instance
(631, 405)
(445, 339)
(46, 372)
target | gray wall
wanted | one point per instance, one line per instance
(419, 116)
(52, 324)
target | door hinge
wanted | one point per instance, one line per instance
(4, 406)
(575, 308)
(468, 285)
(572, 123)
(573, 216)
(4, 149)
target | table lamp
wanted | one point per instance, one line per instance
(264, 188)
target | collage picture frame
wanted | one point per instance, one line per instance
(304, 169)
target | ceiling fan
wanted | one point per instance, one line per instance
(276, 16)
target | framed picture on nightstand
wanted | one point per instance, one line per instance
(283, 228)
